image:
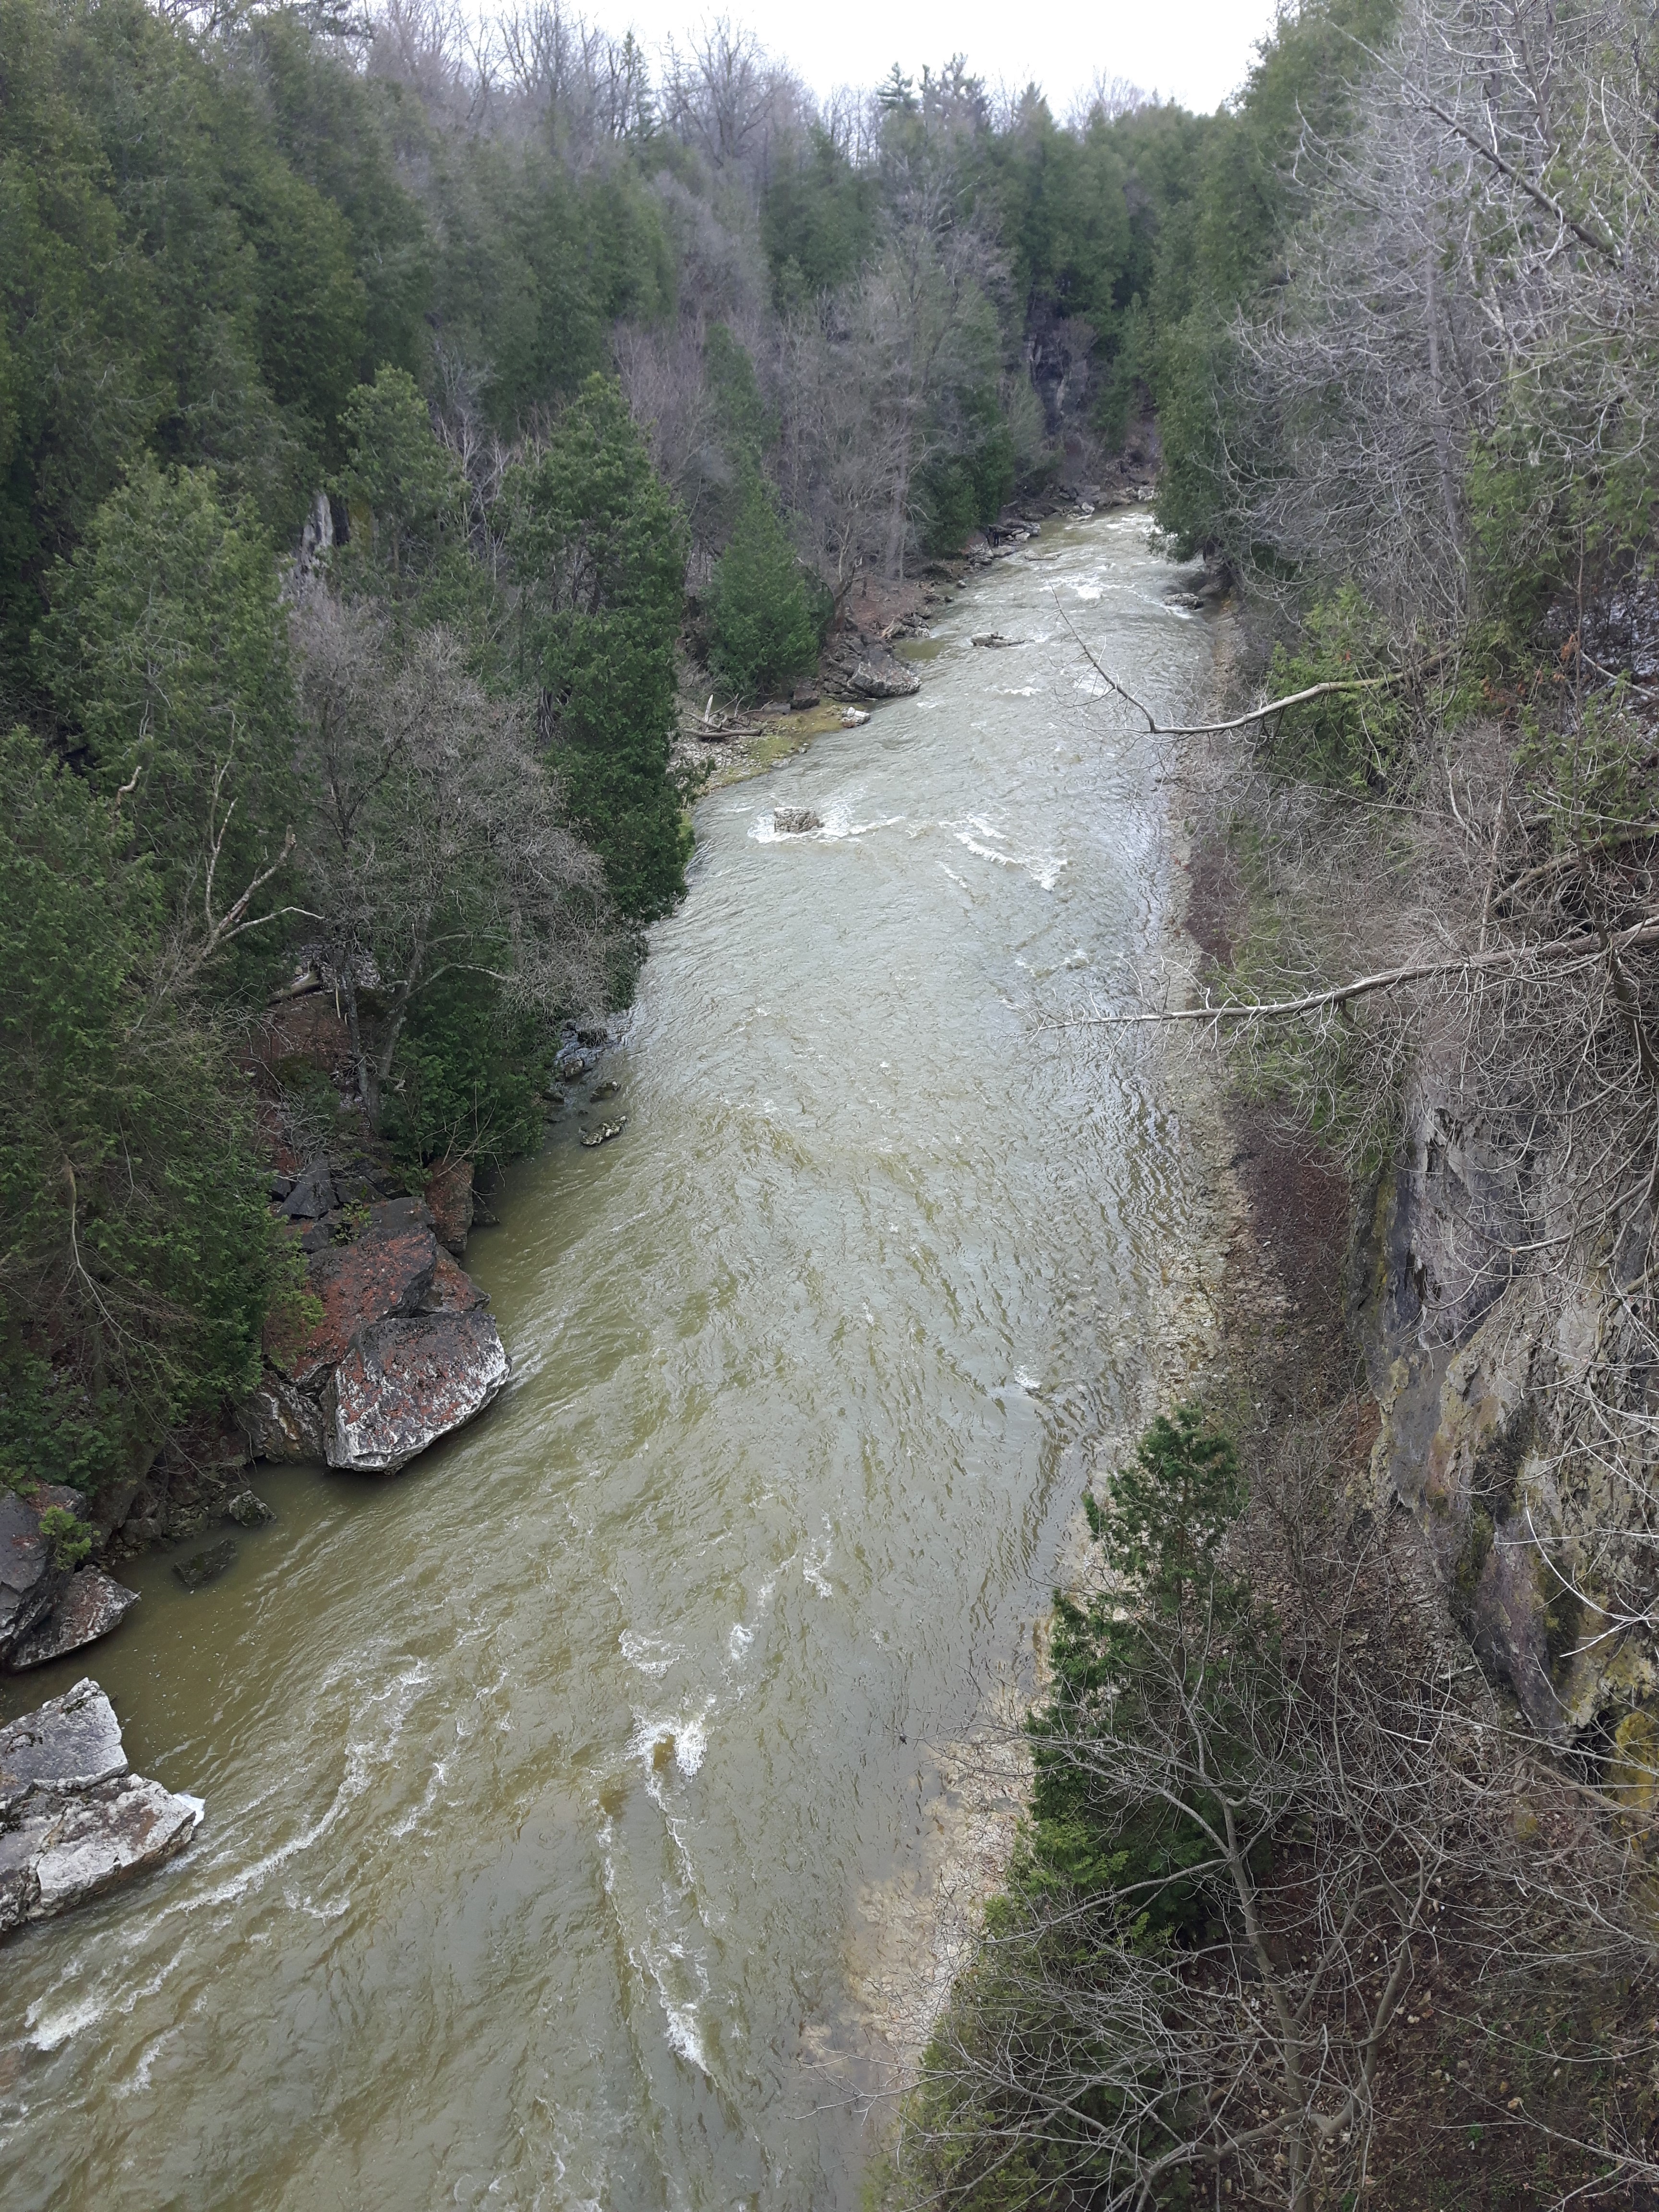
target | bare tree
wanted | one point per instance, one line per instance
(434, 845)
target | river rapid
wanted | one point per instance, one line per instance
(553, 1788)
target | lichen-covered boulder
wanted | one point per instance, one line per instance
(403, 1384)
(385, 1274)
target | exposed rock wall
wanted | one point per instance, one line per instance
(1479, 1345)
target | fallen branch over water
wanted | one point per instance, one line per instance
(1157, 729)
(1590, 945)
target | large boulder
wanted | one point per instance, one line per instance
(68, 1743)
(384, 1276)
(92, 1605)
(75, 1822)
(403, 1384)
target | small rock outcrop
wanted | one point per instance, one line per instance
(449, 1195)
(793, 821)
(857, 667)
(75, 1821)
(45, 1610)
(404, 1383)
(604, 1132)
(996, 641)
(91, 1604)
(249, 1510)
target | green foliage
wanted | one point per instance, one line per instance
(168, 650)
(761, 631)
(467, 1077)
(132, 1214)
(1161, 1528)
(818, 221)
(960, 492)
(1355, 739)
(403, 489)
(70, 1537)
(533, 266)
(598, 549)
(1227, 240)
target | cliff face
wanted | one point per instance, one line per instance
(1485, 1355)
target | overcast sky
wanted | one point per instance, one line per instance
(1196, 52)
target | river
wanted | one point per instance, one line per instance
(554, 1788)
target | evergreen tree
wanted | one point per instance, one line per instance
(599, 547)
(761, 631)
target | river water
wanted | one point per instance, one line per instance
(552, 1787)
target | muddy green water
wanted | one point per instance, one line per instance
(549, 1784)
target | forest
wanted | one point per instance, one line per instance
(393, 416)
(400, 416)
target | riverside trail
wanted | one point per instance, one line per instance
(547, 1784)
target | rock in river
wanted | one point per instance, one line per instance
(74, 1820)
(604, 1132)
(405, 1383)
(792, 822)
(92, 1605)
(207, 1565)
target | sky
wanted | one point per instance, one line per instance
(1195, 51)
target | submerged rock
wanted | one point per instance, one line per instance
(75, 1822)
(996, 640)
(205, 1566)
(405, 1383)
(89, 1608)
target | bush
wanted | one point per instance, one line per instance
(762, 634)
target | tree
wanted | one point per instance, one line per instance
(404, 489)
(135, 1254)
(761, 631)
(598, 552)
(168, 652)
(435, 848)
(1256, 1833)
